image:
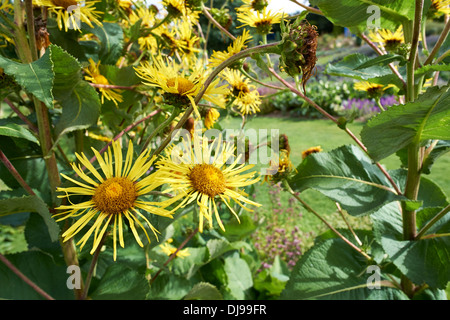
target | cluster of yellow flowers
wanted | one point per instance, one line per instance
(174, 64)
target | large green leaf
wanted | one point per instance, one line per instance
(333, 270)
(111, 42)
(422, 261)
(81, 109)
(121, 282)
(35, 78)
(17, 131)
(238, 274)
(356, 14)
(204, 291)
(30, 204)
(40, 268)
(80, 102)
(345, 175)
(428, 117)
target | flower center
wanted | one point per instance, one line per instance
(184, 85)
(115, 195)
(207, 179)
(64, 3)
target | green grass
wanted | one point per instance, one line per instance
(303, 134)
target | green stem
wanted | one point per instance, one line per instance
(439, 43)
(30, 29)
(175, 112)
(379, 104)
(443, 212)
(307, 207)
(22, 46)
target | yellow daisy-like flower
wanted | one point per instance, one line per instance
(168, 249)
(180, 87)
(280, 168)
(388, 39)
(245, 95)
(71, 12)
(198, 175)
(96, 77)
(261, 20)
(440, 7)
(311, 150)
(257, 5)
(211, 117)
(146, 16)
(114, 197)
(188, 42)
(240, 43)
(6, 6)
(374, 90)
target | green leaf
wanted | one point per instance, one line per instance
(354, 14)
(81, 109)
(111, 41)
(422, 261)
(204, 291)
(121, 282)
(238, 274)
(17, 131)
(30, 204)
(333, 270)
(80, 102)
(431, 68)
(350, 67)
(40, 268)
(442, 147)
(345, 175)
(428, 117)
(35, 78)
(382, 60)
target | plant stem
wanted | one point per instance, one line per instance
(439, 43)
(175, 112)
(25, 278)
(217, 24)
(443, 212)
(347, 130)
(307, 207)
(173, 255)
(92, 267)
(30, 29)
(15, 173)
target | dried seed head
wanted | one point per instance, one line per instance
(298, 49)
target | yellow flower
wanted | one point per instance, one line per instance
(261, 20)
(374, 90)
(388, 39)
(280, 168)
(257, 5)
(440, 7)
(95, 77)
(311, 150)
(198, 176)
(114, 197)
(179, 86)
(71, 12)
(169, 250)
(6, 6)
(245, 95)
(211, 117)
(220, 56)
(188, 42)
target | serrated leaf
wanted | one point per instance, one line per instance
(422, 261)
(17, 131)
(111, 41)
(345, 175)
(30, 204)
(238, 274)
(80, 109)
(357, 14)
(350, 67)
(121, 282)
(382, 60)
(431, 68)
(428, 117)
(35, 78)
(333, 270)
(204, 291)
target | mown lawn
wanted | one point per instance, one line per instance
(303, 134)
